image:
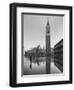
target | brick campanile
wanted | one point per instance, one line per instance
(48, 48)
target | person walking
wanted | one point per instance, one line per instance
(30, 61)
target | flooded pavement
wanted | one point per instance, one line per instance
(39, 66)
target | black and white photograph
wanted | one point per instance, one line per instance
(42, 44)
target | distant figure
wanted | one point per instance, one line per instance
(30, 61)
(30, 65)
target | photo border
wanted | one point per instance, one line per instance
(13, 44)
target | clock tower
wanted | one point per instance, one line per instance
(48, 49)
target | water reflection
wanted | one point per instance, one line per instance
(34, 65)
(39, 65)
(48, 64)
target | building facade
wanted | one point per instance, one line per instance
(58, 55)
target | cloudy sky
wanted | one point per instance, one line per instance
(34, 30)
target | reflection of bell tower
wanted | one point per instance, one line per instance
(48, 49)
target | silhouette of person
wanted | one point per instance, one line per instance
(30, 61)
(30, 65)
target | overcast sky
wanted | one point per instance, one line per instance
(34, 30)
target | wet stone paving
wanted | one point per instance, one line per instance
(38, 66)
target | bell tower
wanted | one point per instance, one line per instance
(48, 48)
